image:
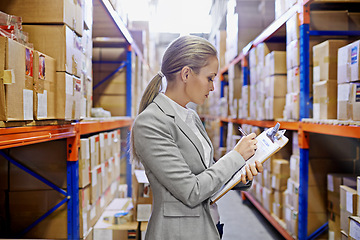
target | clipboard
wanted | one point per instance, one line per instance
(270, 141)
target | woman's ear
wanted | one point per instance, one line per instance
(185, 72)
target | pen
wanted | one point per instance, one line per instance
(242, 131)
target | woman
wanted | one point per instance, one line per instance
(171, 142)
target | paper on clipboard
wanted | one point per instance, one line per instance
(266, 147)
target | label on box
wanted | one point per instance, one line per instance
(84, 221)
(316, 74)
(28, 104)
(42, 105)
(93, 212)
(349, 202)
(273, 181)
(102, 201)
(343, 92)
(92, 145)
(101, 140)
(354, 55)
(29, 60)
(69, 90)
(41, 74)
(103, 170)
(354, 228)
(93, 177)
(330, 183)
(288, 214)
(113, 188)
(104, 234)
(357, 93)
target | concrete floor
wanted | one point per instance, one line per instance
(242, 220)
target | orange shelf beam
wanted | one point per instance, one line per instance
(20, 136)
(328, 129)
(265, 124)
(101, 126)
(267, 215)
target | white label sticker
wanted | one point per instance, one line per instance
(93, 212)
(330, 183)
(101, 140)
(69, 85)
(316, 74)
(344, 92)
(28, 104)
(273, 181)
(42, 105)
(103, 234)
(102, 201)
(92, 144)
(94, 177)
(349, 202)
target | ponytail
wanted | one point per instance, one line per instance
(151, 91)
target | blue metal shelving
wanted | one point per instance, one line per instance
(303, 8)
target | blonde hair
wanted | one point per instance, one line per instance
(191, 51)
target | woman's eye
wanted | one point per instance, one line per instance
(210, 79)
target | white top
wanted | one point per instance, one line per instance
(188, 116)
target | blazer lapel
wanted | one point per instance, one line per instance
(168, 110)
(201, 127)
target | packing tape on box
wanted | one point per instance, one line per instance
(325, 100)
(8, 76)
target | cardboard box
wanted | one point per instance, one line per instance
(84, 163)
(268, 198)
(348, 206)
(275, 63)
(281, 167)
(96, 184)
(44, 86)
(68, 96)
(142, 196)
(344, 96)
(354, 228)
(16, 88)
(355, 101)
(279, 183)
(325, 100)
(325, 59)
(275, 86)
(348, 63)
(107, 231)
(56, 12)
(59, 42)
(274, 107)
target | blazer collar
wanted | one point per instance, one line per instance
(165, 106)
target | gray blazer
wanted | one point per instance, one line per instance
(173, 158)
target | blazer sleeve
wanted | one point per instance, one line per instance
(157, 150)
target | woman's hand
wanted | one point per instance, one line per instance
(246, 146)
(251, 171)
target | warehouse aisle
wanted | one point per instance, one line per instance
(242, 220)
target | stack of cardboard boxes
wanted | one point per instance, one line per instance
(59, 33)
(275, 84)
(342, 202)
(324, 78)
(348, 82)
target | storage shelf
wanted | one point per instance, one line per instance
(265, 124)
(351, 131)
(267, 215)
(87, 126)
(20, 136)
(328, 129)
